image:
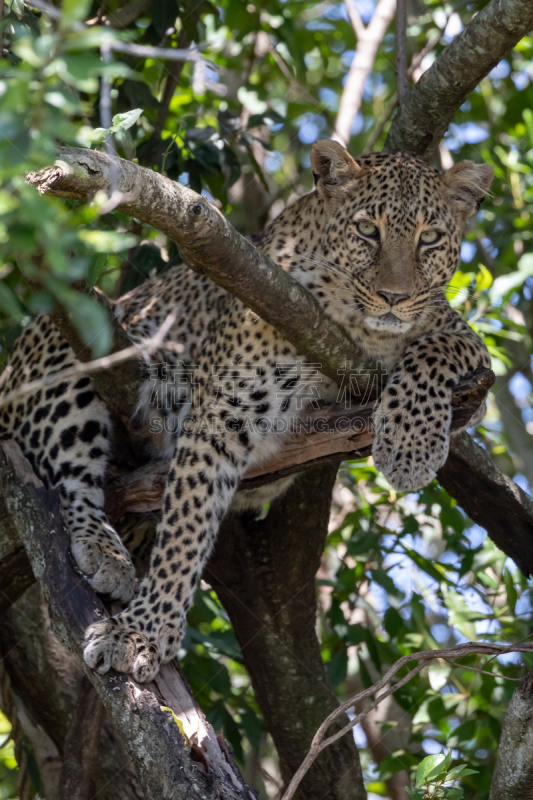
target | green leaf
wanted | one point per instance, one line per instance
(337, 668)
(429, 765)
(107, 241)
(462, 771)
(512, 595)
(122, 122)
(73, 11)
(483, 278)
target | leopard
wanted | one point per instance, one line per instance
(376, 241)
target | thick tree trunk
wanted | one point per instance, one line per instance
(513, 773)
(39, 693)
(164, 761)
(264, 574)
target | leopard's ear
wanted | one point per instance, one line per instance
(468, 184)
(332, 165)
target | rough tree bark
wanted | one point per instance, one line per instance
(264, 574)
(196, 241)
(164, 762)
(512, 779)
(426, 112)
(210, 245)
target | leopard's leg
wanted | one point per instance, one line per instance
(64, 431)
(413, 417)
(209, 462)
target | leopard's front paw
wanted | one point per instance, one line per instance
(407, 454)
(106, 563)
(119, 643)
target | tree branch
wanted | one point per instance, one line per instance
(391, 104)
(264, 575)
(163, 761)
(491, 499)
(173, 76)
(355, 18)
(42, 680)
(424, 117)
(211, 246)
(362, 63)
(80, 751)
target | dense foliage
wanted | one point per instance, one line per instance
(400, 573)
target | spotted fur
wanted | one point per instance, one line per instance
(376, 242)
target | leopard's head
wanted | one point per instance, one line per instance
(390, 234)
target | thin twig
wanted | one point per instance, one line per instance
(173, 76)
(402, 80)
(319, 743)
(163, 53)
(82, 368)
(140, 50)
(355, 18)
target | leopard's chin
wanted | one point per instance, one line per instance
(388, 323)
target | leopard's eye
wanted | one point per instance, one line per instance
(430, 237)
(367, 229)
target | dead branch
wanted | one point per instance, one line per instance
(331, 434)
(452, 653)
(163, 760)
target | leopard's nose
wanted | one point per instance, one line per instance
(392, 298)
